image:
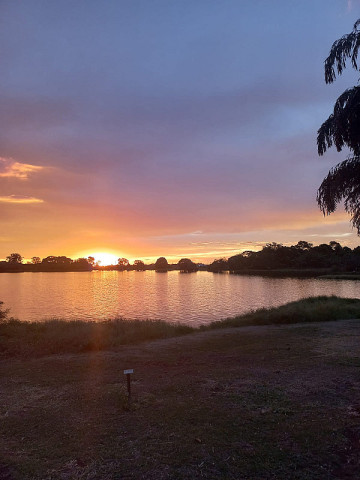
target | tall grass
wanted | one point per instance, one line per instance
(61, 336)
(26, 339)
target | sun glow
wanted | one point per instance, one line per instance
(105, 258)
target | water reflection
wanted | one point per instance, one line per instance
(195, 298)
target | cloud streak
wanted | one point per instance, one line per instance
(22, 199)
(9, 168)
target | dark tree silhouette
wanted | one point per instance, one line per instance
(57, 260)
(218, 265)
(82, 264)
(303, 245)
(123, 263)
(161, 265)
(91, 260)
(187, 265)
(14, 258)
(342, 129)
(139, 265)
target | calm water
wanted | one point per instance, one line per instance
(196, 298)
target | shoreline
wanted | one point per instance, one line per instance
(36, 339)
(316, 273)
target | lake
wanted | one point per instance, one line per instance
(195, 298)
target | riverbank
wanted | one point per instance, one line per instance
(258, 402)
(341, 276)
(59, 336)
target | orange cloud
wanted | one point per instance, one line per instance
(20, 199)
(11, 168)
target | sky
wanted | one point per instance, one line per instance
(177, 128)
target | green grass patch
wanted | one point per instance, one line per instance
(312, 309)
(27, 339)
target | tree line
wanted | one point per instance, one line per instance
(274, 257)
(161, 265)
(303, 256)
(52, 263)
(15, 263)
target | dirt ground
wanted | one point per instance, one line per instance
(271, 402)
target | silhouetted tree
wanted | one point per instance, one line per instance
(341, 129)
(56, 263)
(60, 260)
(91, 260)
(335, 246)
(245, 260)
(123, 263)
(219, 265)
(303, 245)
(139, 265)
(14, 258)
(187, 265)
(81, 264)
(35, 260)
(161, 265)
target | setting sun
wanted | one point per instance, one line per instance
(105, 258)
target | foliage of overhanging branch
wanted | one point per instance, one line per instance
(344, 48)
(342, 128)
(342, 184)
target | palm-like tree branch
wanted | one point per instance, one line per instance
(342, 49)
(342, 184)
(343, 125)
(341, 129)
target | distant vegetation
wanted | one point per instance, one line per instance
(15, 263)
(25, 339)
(275, 259)
(302, 259)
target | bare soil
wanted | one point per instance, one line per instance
(270, 402)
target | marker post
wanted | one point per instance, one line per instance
(128, 380)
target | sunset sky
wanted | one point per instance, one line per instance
(177, 128)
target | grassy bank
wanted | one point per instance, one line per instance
(25, 339)
(341, 276)
(285, 272)
(312, 309)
